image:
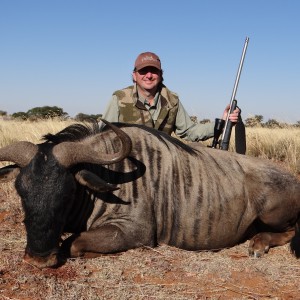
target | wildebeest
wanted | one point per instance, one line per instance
(130, 186)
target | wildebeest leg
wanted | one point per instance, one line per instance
(105, 239)
(295, 242)
(262, 241)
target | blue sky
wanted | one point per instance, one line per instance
(74, 54)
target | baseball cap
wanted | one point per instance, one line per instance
(147, 59)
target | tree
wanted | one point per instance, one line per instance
(297, 124)
(3, 113)
(20, 115)
(46, 112)
(272, 123)
(254, 121)
(204, 121)
(194, 119)
(81, 117)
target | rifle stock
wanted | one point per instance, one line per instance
(219, 125)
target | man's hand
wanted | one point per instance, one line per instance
(234, 117)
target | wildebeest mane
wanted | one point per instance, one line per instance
(72, 133)
(76, 132)
(162, 136)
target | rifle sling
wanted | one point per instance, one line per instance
(240, 136)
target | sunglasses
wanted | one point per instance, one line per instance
(149, 70)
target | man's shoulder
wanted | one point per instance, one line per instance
(170, 94)
(122, 92)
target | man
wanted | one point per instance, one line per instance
(151, 103)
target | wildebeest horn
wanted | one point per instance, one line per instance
(86, 151)
(21, 153)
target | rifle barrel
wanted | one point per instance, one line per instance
(231, 108)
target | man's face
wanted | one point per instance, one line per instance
(148, 78)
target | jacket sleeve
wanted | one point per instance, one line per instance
(111, 113)
(188, 130)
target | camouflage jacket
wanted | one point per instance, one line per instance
(168, 114)
(131, 110)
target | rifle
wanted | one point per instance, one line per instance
(226, 126)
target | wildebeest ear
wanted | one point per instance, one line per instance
(9, 172)
(94, 182)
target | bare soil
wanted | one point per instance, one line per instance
(160, 273)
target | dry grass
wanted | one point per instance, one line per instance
(12, 131)
(281, 145)
(143, 274)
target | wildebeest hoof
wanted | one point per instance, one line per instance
(257, 253)
(67, 244)
(49, 261)
(259, 245)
